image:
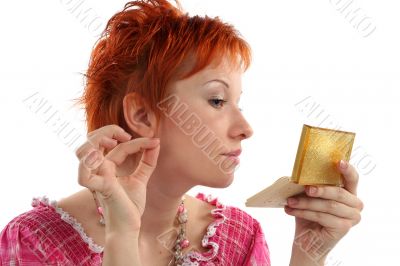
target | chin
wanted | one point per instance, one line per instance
(228, 182)
(218, 175)
(219, 180)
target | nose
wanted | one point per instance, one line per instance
(240, 129)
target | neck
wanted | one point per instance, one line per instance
(163, 196)
(162, 201)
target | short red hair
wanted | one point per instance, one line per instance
(142, 49)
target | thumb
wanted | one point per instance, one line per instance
(350, 176)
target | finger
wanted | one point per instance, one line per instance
(103, 138)
(324, 219)
(327, 206)
(112, 131)
(99, 143)
(96, 142)
(338, 194)
(147, 164)
(119, 153)
(95, 160)
(107, 144)
(116, 132)
(86, 166)
(350, 176)
(100, 183)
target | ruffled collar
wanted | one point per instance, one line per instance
(207, 242)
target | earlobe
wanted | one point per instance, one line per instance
(137, 116)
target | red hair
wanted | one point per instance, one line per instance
(143, 48)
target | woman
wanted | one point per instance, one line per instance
(161, 101)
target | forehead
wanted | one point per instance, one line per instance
(223, 71)
(208, 80)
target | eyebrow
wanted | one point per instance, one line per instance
(220, 81)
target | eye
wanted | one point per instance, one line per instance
(217, 102)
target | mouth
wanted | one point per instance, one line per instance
(233, 155)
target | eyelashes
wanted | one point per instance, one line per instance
(219, 103)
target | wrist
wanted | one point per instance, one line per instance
(122, 236)
(121, 229)
(303, 256)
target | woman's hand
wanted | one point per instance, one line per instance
(123, 198)
(324, 215)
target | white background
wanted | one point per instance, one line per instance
(304, 51)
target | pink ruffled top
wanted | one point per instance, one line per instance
(47, 235)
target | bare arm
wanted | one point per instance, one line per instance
(122, 198)
(300, 257)
(121, 250)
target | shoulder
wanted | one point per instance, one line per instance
(39, 236)
(38, 217)
(31, 224)
(22, 236)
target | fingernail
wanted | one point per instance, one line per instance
(91, 158)
(343, 164)
(129, 136)
(112, 141)
(312, 190)
(292, 201)
(288, 209)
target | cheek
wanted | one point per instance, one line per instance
(179, 144)
(192, 132)
(183, 157)
(174, 141)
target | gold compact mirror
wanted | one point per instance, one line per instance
(318, 154)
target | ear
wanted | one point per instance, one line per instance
(139, 118)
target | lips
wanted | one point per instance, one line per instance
(234, 155)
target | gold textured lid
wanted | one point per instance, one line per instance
(318, 153)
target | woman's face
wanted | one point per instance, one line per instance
(202, 122)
